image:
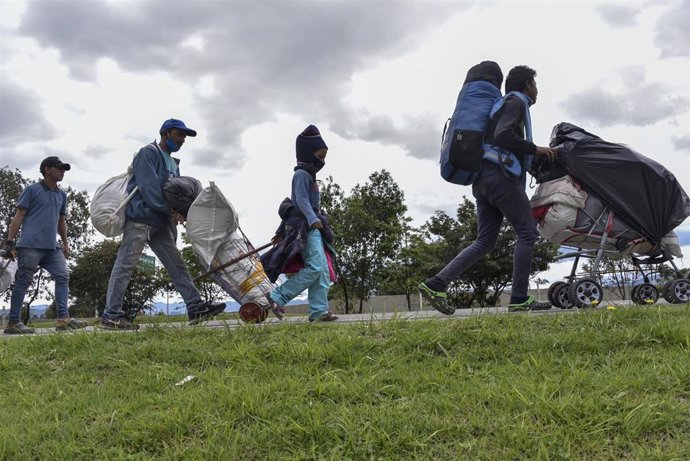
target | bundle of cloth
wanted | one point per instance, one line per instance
(568, 215)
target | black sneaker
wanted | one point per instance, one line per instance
(18, 329)
(204, 312)
(70, 324)
(120, 323)
(532, 304)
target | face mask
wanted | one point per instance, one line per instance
(317, 164)
(172, 147)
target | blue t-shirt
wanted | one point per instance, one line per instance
(43, 207)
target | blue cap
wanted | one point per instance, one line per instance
(174, 123)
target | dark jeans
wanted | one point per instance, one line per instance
(498, 196)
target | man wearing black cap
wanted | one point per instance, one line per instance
(150, 220)
(41, 209)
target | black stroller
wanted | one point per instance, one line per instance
(599, 198)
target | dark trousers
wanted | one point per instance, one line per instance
(497, 197)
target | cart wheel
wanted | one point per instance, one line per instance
(252, 313)
(666, 293)
(679, 291)
(647, 294)
(585, 293)
(551, 291)
(561, 296)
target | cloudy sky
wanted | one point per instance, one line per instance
(92, 81)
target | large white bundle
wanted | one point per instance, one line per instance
(210, 219)
(565, 198)
(108, 205)
(8, 268)
(212, 224)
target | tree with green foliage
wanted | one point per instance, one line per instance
(369, 224)
(484, 282)
(411, 264)
(332, 206)
(12, 183)
(90, 276)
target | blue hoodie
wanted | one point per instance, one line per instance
(150, 173)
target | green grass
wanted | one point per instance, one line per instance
(593, 385)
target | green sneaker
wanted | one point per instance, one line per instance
(531, 304)
(438, 299)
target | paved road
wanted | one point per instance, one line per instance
(343, 318)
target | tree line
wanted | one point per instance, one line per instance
(379, 251)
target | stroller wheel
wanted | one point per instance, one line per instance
(550, 293)
(633, 294)
(585, 293)
(560, 295)
(679, 291)
(646, 294)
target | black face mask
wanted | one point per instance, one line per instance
(317, 164)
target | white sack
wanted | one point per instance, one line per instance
(8, 268)
(245, 280)
(565, 198)
(108, 205)
(562, 190)
(210, 219)
(212, 224)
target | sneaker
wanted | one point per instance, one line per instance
(117, 323)
(204, 312)
(438, 299)
(277, 309)
(18, 329)
(327, 317)
(70, 324)
(531, 304)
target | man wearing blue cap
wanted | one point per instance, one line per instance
(150, 220)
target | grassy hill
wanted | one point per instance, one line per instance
(605, 384)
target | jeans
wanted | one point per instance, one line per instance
(162, 242)
(314, 276)
(52, 261)
(498, 196)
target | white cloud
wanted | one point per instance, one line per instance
(94, 80)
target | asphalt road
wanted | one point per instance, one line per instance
(343, 318)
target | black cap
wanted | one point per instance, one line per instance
(53, 161)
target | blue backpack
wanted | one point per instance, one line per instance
(462, 149)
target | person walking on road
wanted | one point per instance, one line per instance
(500, 192)
(302, 220)
(40, 216)
(150, 221)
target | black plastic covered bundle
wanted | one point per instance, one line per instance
(640, 190)
(180, 192)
